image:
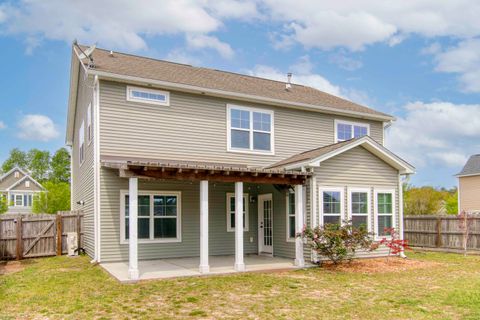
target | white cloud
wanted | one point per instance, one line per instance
(343, 61)
(355, 24)
(2, 125)
(438, 133)
(209, 42)
(122, 24)
(464, 60)
(37, 127)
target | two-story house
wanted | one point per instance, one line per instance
(18, 188)
(171, 161)
(469, 186)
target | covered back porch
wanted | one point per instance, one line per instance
(204, 175)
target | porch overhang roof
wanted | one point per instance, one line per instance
(153, 169)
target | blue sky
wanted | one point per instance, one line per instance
(418, 60)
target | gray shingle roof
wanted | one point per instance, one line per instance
(147, 68)
(472, 167)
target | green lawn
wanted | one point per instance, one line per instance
(62, 287)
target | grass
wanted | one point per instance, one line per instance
(62, 287)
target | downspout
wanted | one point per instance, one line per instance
(96, 169)
(400, 211)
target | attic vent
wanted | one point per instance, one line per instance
(288, 85)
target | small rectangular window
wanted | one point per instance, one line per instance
(345, 130)
(291, 216)
(152, 96)
(250, 129)
(231, 212)
(17, 174)
(331, 205)
(89, 123)
(18, 200)
(81, 143)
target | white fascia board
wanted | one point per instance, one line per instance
(235, 95)
(467, 175)
(366, 142)
(13, 170)
(72, 99)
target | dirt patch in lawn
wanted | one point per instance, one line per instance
(380, 265)
(7, 267)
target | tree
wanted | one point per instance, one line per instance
(56, 197)
(424, 200)
(16, 158)
(3, 204)
(39, 164)
(60, 166)
(451, 202)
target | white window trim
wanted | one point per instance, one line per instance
(250, 150)
(16, 174)
(27, 184)
(368, 191)
(89, 124)
(151, 193)
(338, 121)
(148, 101)
(342, 203)
(375, 209)
(288, 215)
(15, 195)
(232, 195)
(81, 141)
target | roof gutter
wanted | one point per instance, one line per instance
(240, 96)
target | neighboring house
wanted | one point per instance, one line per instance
(170, 160)
(19, 188)
(469, 186)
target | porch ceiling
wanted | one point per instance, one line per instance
(195, 171)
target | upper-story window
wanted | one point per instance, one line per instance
(151, 96)
(27, 184)
(89, 124)
(345, 130)
(81, 143)
(250, 130)
(17, 174)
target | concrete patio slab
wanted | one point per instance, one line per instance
(185, 267)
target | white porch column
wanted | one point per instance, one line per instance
(239, 264)
(204, 267)
(299, 215)
(133, 273)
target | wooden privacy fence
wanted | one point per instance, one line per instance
(441, 231)
(38, 235)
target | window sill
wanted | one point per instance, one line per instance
(291, 240)
(247, 151)
(144, 241)
(233, 230)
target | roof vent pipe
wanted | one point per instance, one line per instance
(288, 85)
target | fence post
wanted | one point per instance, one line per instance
(438, 241)
(19, 253)
(59, 234)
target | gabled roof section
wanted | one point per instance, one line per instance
(27, 177)
(472, 167)
(314, 158)
(16, 168)
(175, 76)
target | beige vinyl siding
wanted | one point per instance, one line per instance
(469, 193)
(21, 186)
(359, 168)
(194, 127)
(10, 180)
(82, 176)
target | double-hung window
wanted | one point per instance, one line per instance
(250, 129)
(359, 205)
(159, 214)
(331, 205)
(81, 143)
(18, 200)
(291, 216)
(384, 211)
(231, 212)
(150, 96)
(345, 130)
(89, 124)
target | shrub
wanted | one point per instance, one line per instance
(394, 243)
(338, 242)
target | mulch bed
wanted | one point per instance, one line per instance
(7, 267)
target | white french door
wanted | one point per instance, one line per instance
(265, 223)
